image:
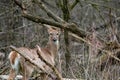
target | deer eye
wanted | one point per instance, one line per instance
(57, 34)
(50, 33)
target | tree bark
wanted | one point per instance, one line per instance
(66, 17)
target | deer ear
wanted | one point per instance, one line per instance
(49, 28)
(59, 30)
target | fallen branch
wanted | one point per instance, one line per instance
(32, 61)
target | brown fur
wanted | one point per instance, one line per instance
(13, 57)
(49, 53)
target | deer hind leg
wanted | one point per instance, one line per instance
(26, 75)
(27, 70)
(12, 74)
(14, 71)
(14, 61)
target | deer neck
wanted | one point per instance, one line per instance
(53, 47)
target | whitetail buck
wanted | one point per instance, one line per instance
(18, 63)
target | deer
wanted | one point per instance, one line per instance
(18, 63)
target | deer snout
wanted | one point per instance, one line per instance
(54, 39)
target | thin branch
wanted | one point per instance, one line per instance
(105, 24)
(59, 3)
(102, 5)
(74, 4)
(47, 3)
(4, 70)
(109, 53)
(20, 5)
(49, 13)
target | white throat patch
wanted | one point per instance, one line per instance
(56, 42)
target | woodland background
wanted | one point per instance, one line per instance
(94, 55)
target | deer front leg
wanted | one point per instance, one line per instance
(12, 74)
(26, 75)
(27, 70)
(44, 76)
